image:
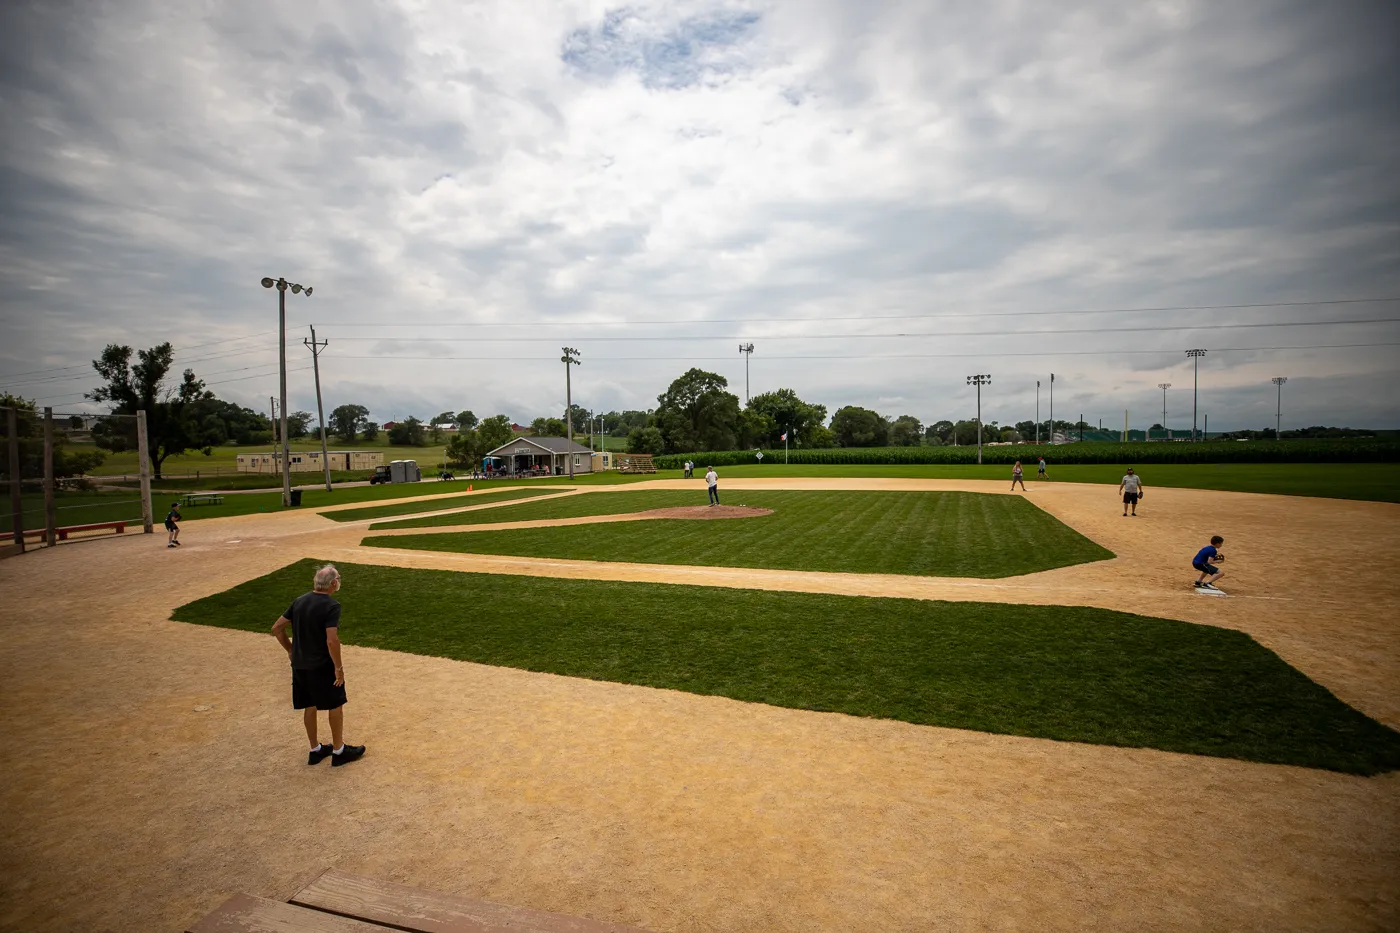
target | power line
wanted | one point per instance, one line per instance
(878, 317)
(220, 382)
(212, 343)
(898, 356)
(895, 336)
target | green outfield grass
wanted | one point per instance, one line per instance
(1374, 481)
(946, 534)
(484, 497)
(1049, 672)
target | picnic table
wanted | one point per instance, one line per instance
(201, 498)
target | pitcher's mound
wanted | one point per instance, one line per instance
(707, 511)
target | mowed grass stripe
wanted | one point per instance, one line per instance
(485, 497)
(1052, 672)
(950, 534)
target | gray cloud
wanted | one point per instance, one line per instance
(529, 162)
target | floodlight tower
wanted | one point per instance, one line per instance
(1278, 412)
(747, 350)
(1195, 388)
(1037, 413)
(1164, 386)
(979, 381)
(282, 286)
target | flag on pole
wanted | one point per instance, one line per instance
(784, 437)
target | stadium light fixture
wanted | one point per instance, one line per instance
(282, 285)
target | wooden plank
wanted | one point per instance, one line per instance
(244, 913)
(417, 911)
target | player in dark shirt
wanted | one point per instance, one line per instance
(318, 676)
(171, 518)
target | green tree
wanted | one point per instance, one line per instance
(172, 418)
(464, 450)
(29, 425)
(787, 413)
(695, 413)
(548, 427)
(645, 441)
(494, 432)
(445, 417)
(941, 430)
(906, 432)
(821, 437)
(347, 421)
(860, 427)
(466, 421)
(407, 433)
(298, 424)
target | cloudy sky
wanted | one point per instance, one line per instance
(883, 197)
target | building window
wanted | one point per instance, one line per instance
(577, 461)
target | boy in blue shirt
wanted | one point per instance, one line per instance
(1205, 560)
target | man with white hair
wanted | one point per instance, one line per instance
(318, 676)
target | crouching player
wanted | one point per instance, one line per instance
(1205, 561)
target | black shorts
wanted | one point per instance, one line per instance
(1208, 569)
(1130, 498)
(316, 687)
(171, 526)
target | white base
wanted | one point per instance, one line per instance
(1202, 591)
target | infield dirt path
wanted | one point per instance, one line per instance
(124, 808)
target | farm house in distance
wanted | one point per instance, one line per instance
(309, 461)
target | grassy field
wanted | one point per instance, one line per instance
(946, 534)
(1374, 481)
(483, 497)
(1064, 673)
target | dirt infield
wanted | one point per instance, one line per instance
(126, 808)
(706, 512)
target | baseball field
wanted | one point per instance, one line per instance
(833, 703)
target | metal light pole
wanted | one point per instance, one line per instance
(1164, 386)
(747, 350)
(979, 381)
(569, 359)
(1278, 413)
(1037, 413)
(1195, 388)
(282, 286)
(1052, 409)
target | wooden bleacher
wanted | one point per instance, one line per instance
(338, 902)
(634, 463)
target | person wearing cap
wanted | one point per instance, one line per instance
(171, 526)
(1131, 490)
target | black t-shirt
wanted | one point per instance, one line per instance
(311, 614)
(171, 518)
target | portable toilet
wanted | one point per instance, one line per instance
(411, 472)
(398, 471)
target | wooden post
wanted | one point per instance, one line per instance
(16, 503)
(50, 507)
(143, 451)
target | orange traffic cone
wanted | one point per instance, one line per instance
(469, 487)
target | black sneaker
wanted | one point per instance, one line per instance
(1198, 584)
(171, 544)
(318, 754)
(347, 755)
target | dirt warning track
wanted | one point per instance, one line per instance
(124, 808)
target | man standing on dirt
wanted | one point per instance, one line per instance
(1131, 491)
(712, 481)
(318, 676)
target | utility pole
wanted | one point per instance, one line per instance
(1037, 413)
(1164, 386)
(282, 286)
(316, 349)
(1052, 409)
(50, 506)
(16, 503)
(747, 350)
(979, 381)
(1278, 413)
(569, 359)
(272, 407)
(1195, 388)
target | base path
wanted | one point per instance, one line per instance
(157, 767)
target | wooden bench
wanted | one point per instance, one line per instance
(120, 528)
(201, 498)
(338, 902)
